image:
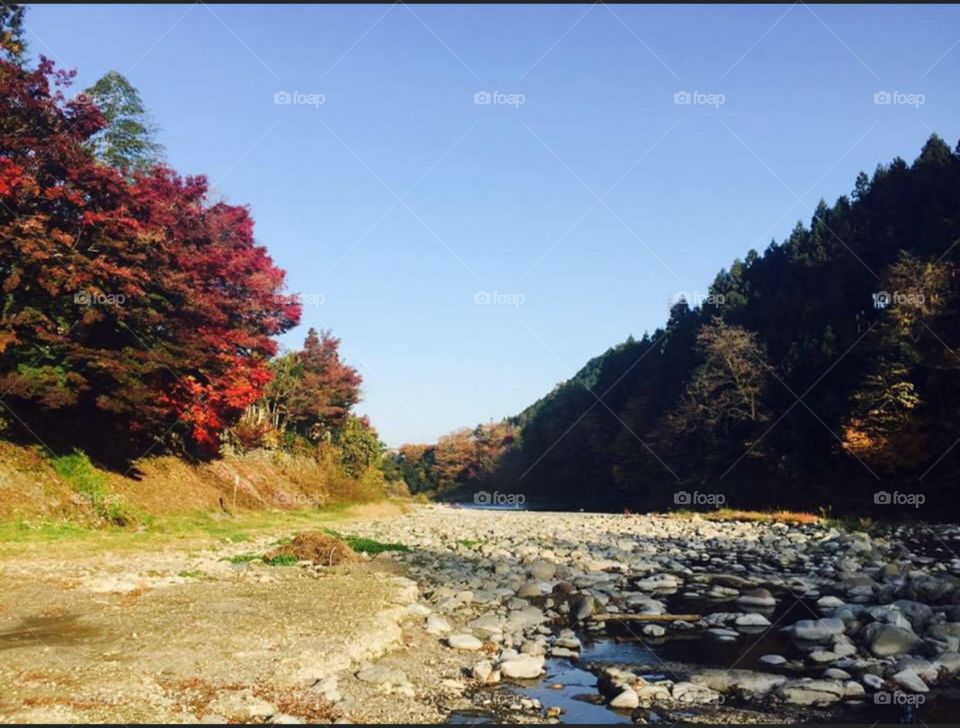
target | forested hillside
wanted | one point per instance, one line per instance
(138, 316)
(817, 373)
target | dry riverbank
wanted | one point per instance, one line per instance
(487, 614)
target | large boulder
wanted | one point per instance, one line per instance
(886, 640)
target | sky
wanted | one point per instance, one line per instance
(478, 199)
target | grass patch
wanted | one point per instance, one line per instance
(363, 545)
(471, 543)
(191, 574)
(91, 484)
(281, 559)
(242, 558)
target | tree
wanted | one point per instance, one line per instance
(360, 446)
(12, 46)
(128, 139)
(131, 306)
(726, 389)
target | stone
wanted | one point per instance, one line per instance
(464, 642)
(583, 607)
(435, 624)
(383, 675)
(807, 691)
(654, 630)
(626, 700)
(886, 640)
(284, 719)
(524, 667)
(753, 619)
(773, 660)
(530, 589)
(484, 673)
(816, 630)
(872, 681)
(759, 597)
(747, 681)
(830, 602)
(650, 693)
(909, 680)
(242, 705)
(327, 689)
(689, 693)
(542, 570)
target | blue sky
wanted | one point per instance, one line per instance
(502, 197)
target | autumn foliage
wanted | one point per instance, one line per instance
(129, 303)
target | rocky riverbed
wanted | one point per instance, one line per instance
(783, 622)
(506, 616)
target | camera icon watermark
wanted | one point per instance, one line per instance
(299, 98)
(899, 98)
(898, 697)
(699, 98)
(885, 299)
(896, 498)
(506, 500)
(696, 498)
(499, 98)
(486, 298)
(696, 298)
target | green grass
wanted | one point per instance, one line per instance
(363, 545)
(191, 574)
(471, 543)
(281, 560)
(242, 558)
(80, 473)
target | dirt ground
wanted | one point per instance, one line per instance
(183, 633)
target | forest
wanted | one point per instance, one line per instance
(822, 373)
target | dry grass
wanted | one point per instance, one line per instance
(794, 518)
(320, 548)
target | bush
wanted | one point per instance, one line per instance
(80, 473)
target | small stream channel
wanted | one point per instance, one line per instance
(572, 685)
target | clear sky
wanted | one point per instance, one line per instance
(398, 199)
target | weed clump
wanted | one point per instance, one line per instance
(315, 546)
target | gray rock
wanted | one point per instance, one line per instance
(807, 691)
(464, 642)
(627, 699)
(435, 624)
(543, 570)
(747, 681)
(816, 630)
(886, 640)
(909, 680)
(759, 597)
(773, 660)
(524, 667)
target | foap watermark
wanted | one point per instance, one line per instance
(696, 298)
(496, 498)
(499, 98)
(896, 498)
(299, 500)
(699, 98)
(696, 498)
(885, 299)
(299, 98)
(899, 98)
(898, 697)
(310, 299)
(86, 298)
(486, 298)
